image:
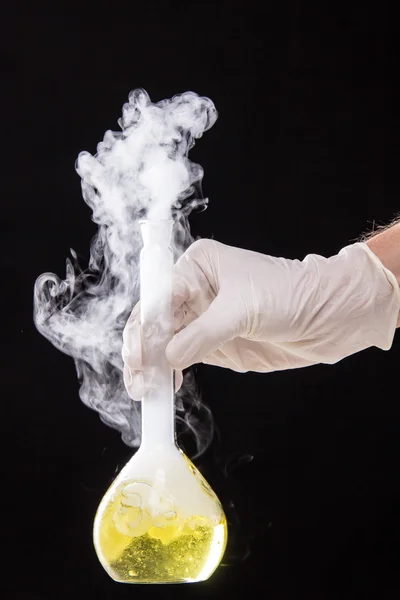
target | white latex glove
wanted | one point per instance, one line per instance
(252, 312)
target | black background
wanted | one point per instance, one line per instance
(303, 158)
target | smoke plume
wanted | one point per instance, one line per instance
(143, 171)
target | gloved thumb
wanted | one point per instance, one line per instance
(202, 336)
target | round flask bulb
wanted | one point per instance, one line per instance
(160, 522)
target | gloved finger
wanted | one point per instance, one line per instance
(178, 380)
(132, 350)
(132, 347)
(193, 279)
(179, 319)
(133, 381)
(227, 358)
(180, 291)
(134, 316)
(202, 336)
(131, 336)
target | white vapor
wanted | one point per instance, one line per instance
(141, 172)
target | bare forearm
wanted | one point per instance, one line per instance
(386, 245)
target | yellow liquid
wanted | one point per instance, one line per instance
(135, 547)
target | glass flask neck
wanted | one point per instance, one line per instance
(156, 263)
(156, 232)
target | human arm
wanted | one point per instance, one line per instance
(252, 312)
(385, 243)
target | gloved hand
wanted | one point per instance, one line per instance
(252, 312)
